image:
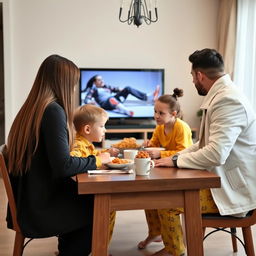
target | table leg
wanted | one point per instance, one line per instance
(101, 225)
(193, 223)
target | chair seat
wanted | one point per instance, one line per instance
(220, 223)
(228, 217)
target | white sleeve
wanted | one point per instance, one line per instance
(227, 120)
(192, 148)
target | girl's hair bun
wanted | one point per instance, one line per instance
(177, 93)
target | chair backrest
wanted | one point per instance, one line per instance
(8, 188)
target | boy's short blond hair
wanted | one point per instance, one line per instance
(87, 114)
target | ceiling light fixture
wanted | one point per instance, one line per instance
(139, 10)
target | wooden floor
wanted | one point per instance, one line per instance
(129, 229)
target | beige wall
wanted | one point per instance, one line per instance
(89, 33)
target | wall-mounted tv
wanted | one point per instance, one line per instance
(123, 93)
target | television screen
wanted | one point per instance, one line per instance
(123, 93)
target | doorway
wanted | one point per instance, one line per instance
(2, 115)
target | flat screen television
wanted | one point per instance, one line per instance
(123, 93)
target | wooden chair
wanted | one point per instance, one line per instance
(220, 223)
(19, 237)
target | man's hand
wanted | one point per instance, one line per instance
(166, 161)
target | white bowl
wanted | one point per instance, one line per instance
(120, 166)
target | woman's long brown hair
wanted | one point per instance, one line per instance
(55, 81)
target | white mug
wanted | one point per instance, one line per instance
(130, 153)
(143, 166)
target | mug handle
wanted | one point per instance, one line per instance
(152, 164)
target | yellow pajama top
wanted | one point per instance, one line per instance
(83, 148)
(178, 139)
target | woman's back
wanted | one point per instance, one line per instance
(47, 200)
(38, 153)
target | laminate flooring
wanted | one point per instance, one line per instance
(130, 228)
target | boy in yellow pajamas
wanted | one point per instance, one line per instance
(89, 122)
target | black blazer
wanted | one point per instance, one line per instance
(46, 196)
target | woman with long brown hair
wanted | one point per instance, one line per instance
(38, 153)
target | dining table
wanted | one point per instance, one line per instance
(163, 188)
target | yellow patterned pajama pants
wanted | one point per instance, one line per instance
(166, 222)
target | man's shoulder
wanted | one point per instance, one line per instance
(230, 94)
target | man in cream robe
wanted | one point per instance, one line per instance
(227, 139)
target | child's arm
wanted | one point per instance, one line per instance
(154, 141)
(154, 154)
(79, 150)
(146, 143)
(112, 151)
(183, 140)
(104, 157)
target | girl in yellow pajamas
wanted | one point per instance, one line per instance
(89, 122)
(174, 135)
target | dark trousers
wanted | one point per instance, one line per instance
(129, 90)
(76, 243)
(113, 101)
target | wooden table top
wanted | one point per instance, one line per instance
(160, 179)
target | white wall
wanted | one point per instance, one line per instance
(7, 63)
(89, 33)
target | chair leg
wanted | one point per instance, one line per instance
(248, 241)
(234, 241)
(18, 244)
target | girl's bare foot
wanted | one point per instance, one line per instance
(148, 240)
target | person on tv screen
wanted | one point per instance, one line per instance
(112, 98)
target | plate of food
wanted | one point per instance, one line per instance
(126, 143)
(153, 149)
(118, 163)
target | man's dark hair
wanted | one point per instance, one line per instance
(209, 60)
